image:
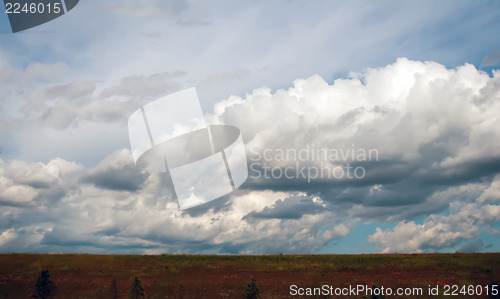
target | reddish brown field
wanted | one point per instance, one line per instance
(186, 276)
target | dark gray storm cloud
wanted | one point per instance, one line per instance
(289, 208)
(127, 178)
(472, 247)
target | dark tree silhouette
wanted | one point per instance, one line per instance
(251, 291)
(45, 287)
(136, 289)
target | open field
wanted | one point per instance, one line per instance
(202, 276)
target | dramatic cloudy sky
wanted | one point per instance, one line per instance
(414, 80)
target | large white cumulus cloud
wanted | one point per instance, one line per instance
(433, 127)
(397, 109)
(436, 131)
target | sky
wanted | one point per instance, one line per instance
(415, 83)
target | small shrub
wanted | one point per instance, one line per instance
(136, 289)
(251, 291)
(45, 288)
